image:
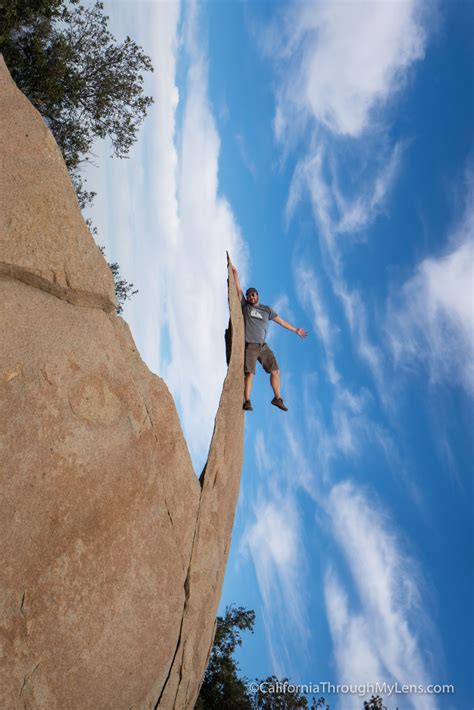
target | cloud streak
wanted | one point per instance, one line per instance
(381, 634)
(196, 304)
(309, 293)
(274, 542)
(346, 59)
(431, 317)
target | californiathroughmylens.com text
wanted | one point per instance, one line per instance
(362, 689)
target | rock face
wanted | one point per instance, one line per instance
(112, 551)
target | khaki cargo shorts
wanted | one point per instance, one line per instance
(262, 353)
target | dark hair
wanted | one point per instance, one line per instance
(251, 290)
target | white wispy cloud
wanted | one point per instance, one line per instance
(300, 470)
(382, 633)
(263, 456)
(345, 431)
(345, 60)
(431, 316)
(274, 540)
(246, 155)
(196, 305)
(342, 217)
(309, 294)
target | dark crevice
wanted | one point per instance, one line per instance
(201, 477)
(22, 604)
(169, 514)
(149, 415)
(27, 678)
(157, 704)
(178, 685)
(45, 376)
(76, 297)
(186, 597)
(178, 644)
(228, 342)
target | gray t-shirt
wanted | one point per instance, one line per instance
(256, 321)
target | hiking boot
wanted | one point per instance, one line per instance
(278, 402)
(248, 406)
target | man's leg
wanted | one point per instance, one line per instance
(248, 382)
(275, 382)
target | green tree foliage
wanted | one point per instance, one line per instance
(375, 703)
(123, 289)
(86, 86)
(15, 13)
(222, 687)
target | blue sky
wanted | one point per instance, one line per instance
(328, 147)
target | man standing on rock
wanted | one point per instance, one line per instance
(256, 317)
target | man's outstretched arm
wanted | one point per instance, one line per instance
(237, 282)
(299, 331)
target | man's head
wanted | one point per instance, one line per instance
(252, 296)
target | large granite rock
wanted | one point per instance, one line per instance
(112, 551)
